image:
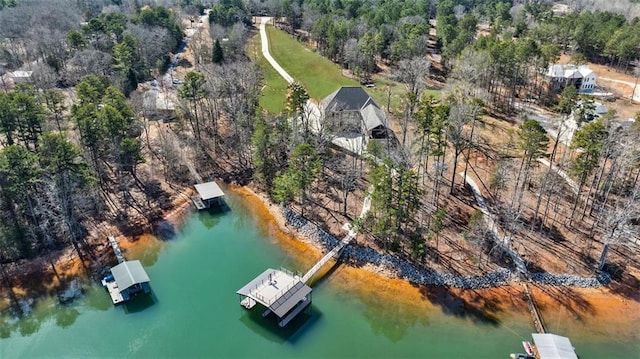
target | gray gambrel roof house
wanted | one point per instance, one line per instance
(351, 116)
(347, 99)
(129, 273)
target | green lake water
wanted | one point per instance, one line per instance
(194, 312)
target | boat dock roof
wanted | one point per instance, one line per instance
(209, 190)
(551, 346)
(129, 273)
(277, 290)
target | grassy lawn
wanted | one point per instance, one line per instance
(319, 75)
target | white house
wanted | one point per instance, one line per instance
(20, 77)
(582, 77)
(158, 105)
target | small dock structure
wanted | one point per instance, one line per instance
(552, 346)
(285, 293)
(126, 279)
(281, 292)
(208, 195)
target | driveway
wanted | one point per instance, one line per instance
(265, 50)
(636, 93)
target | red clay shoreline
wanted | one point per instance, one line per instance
(598, 308)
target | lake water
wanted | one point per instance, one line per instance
(194, 311)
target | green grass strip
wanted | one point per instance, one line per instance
(319, 75)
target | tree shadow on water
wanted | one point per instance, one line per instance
(569, 298)
(269, 329)
(66, 316)
(209, 219)
(390, 319)
(165, 230)
(473, 305)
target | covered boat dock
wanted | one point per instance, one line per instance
(551, 346)
(129, 277)
(281, 292)
(208, 195)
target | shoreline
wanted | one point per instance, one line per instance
(592, 305)
(396, 267)
(601, 309)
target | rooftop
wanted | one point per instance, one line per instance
(569, 71)
(20, 73)
(209, 190)
(129, 273)
(277, 290)
(351, 99)
(155, 99)
(347, 98)
(551, 346)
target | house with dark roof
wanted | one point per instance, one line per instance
(352, 116)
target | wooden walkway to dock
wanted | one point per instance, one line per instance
(116, 249)
(536, 316)
(335, 252)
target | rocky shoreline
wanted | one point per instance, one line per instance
(400, 268)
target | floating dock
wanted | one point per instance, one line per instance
(285, 293)
(281, 292)
(125, 279)
(547, 346)
(208, 195)
(114, 291)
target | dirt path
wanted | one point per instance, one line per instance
(488, 217)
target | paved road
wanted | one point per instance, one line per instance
(636, 94)
(168, 76)
(265, 50)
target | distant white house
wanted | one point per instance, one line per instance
(20, 77)
(582, 77)
(157, 105)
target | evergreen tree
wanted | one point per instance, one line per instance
(193, 91)
(533, 141)
(218, 55)
(304, 168)
(589, 139)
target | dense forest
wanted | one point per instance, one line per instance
(487, 72)
(77, 148)
(70, 138)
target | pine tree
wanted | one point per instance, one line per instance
(533, 141)
(218, 54)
